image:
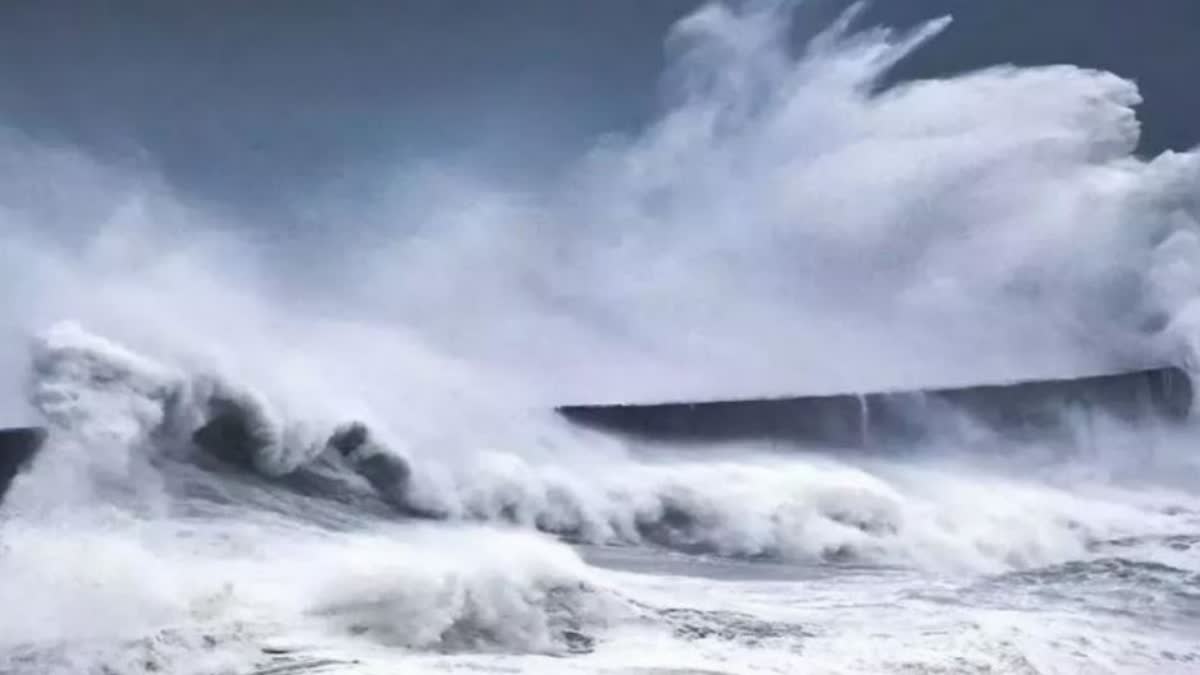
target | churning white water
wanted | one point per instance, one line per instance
(783, 227)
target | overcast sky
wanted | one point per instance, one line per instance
(249, 104)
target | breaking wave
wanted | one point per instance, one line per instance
(210, 600)
(122, 420)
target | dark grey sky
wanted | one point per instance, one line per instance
(251, 103)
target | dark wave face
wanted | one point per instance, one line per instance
(18, 445)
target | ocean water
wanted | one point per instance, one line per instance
(782, 226)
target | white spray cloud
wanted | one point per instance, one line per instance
(783, 227)
(787, 228)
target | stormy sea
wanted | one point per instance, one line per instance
(274, 448)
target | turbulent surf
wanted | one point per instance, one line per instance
(218, 467)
